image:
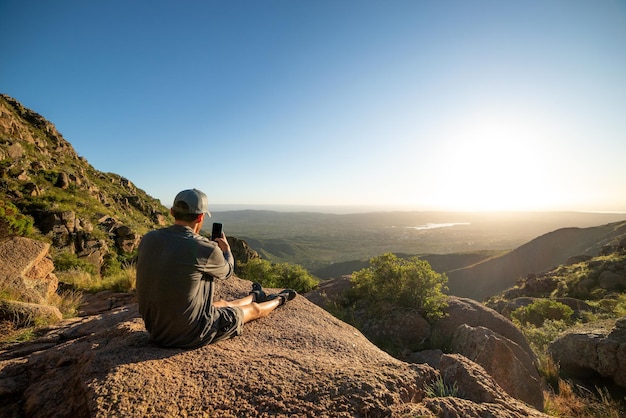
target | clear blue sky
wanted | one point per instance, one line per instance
(456, 105)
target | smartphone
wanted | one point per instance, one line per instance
(216, 231)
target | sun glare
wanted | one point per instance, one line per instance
(493, 162)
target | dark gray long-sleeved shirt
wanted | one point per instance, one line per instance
(175, 272)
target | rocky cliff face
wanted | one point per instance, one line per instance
(72, 205)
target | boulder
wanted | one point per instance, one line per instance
(22, 314)
(63, 181)
(90, 249)
(32, 189)
(468, 328)
(26, 269)
(476, 385)
(398, 327)
(478, 395)
(298, 361)
(462, 311)
(540, 285)
(612, 281)
(125, 239)
(502, 359)
(15, 151)
(594, 350)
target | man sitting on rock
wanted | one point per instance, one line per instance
(176, 269)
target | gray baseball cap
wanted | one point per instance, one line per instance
(195, 201)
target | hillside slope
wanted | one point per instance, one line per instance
(44, 182)
(492, 276)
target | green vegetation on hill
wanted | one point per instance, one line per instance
(569, 297)
(542, 310)
(13, 222)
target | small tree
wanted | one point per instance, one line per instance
(400, 282)
(292, 276)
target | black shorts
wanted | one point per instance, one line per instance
(228, 323)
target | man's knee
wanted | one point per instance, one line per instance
(220, 303)
(251, 311)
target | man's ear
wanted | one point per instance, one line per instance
(200, 218)
(172, 211)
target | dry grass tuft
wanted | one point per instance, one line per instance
(577, 401)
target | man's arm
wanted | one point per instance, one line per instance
(224, 263)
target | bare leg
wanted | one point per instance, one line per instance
(258, 310)
(237, 302)
(251, 310)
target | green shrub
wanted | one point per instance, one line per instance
(539, 337)
(117, 263)
(13, 222)
(66, 261)
(124, 280)
(540, 310)
(404, 283)
(279, 275)
(50, 175)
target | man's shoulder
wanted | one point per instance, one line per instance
(180, 232)
(156, 232)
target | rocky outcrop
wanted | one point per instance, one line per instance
(491, 340)
(468, 328)
(299, 361)
(26, 269)
(593, 350)
(26, 272)
(124, 237)
(241, 252)
(404, 327)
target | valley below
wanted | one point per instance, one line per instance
(331, 245)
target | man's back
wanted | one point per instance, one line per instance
(175, 272)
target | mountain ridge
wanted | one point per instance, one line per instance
(540, 254)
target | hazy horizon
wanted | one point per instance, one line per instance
(438, 105)
(349, 209)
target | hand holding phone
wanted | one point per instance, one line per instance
(216, 231)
